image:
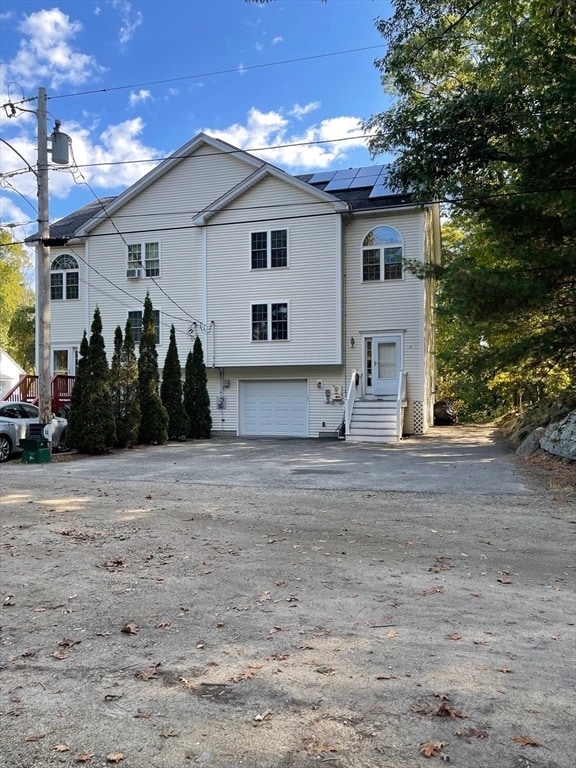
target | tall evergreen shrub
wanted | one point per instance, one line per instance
(125, 396)
(93, 427)
(171, 392)
(74, 428)
(154, 421)
(196, 397)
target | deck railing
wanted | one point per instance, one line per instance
(26, 391)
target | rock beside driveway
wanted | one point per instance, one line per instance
(560, 438)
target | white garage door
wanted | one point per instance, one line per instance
(274, 408)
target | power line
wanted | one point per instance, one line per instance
(181, 78)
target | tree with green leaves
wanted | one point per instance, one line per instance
(22, 336)
(124, 385)
(171, 392)
(196, 397)
(484, 117)
(93, 428)
(154, 421)
(15, 294)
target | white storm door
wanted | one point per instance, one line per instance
(386, 364)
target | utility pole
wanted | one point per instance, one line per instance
(43, 298)
(43, 283)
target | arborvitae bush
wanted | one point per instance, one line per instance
(154, 421)
(171, 392)
(93, 428)
(125, 398)
(196, 397)
(74, 428)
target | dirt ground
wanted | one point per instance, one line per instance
(162, 624)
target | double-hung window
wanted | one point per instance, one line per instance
(270, 321)
(382, 253)
(145, 256)
(269, 249)
(64, 278)
(135, 318)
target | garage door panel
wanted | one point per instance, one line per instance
(274, 408)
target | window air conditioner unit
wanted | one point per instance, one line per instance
(134, 273)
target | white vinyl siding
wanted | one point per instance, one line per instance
(312, 284)
(376, 308)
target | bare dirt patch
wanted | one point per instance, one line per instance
(161, 624)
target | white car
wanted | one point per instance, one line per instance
(15, 419)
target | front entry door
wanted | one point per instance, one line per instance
(386, 364)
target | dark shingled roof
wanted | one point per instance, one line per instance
(69, 225)
(359, 199)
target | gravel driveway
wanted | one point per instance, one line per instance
(282, 604)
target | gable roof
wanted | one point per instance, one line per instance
(167, 165)
(356, 200)
(253, 179)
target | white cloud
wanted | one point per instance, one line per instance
(130, 20)
(277, 40)
(111, 159)
(299, 111)
(241, 69)
(271, 129)
(259, 47)
(142, 95)
(46, 53)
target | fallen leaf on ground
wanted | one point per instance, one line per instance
(60, 655)
(144, 715)
(445, 711)
(503, 669)
(84, 758)
(392, 633)
(114, 757)
(147, 674)
(431, 748)
(66, 642)
(317, 747)
(35, 737)
(274, 630)
(189, 683)
(504, 581)
(263, 597)
(433, 591)
(130, 629)
(168, 734)
(526, 741)
(442, 696)
(454, 636)
(386, 677)
(62, 748)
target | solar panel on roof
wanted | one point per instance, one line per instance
(338, 184)
(363, 181)
(318, 178)
(381, 190)
(371, 170)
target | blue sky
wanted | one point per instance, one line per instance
(132, 81)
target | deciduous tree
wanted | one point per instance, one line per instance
(484, 116)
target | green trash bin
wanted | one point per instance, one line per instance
(35, 448)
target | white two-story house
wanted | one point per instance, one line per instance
(296, 285)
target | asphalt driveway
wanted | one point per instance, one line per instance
(459, 460)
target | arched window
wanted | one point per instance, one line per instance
(64, 278)
(382, 252)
